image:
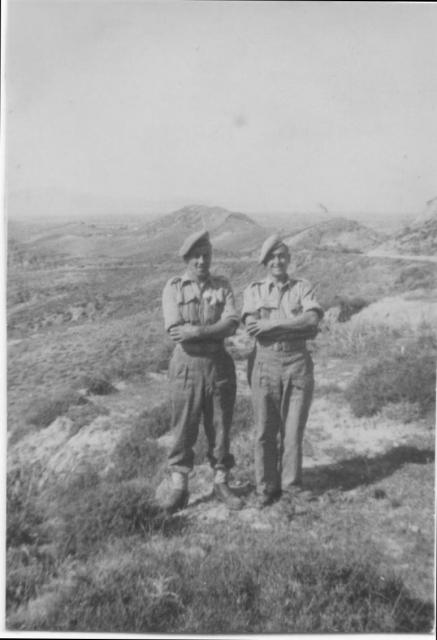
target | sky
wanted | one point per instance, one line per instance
(254, 106)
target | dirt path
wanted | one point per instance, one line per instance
(376, 253)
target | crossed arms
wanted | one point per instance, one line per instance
(302, 326)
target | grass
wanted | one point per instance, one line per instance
(23, 511)
(137, 453)
(93, 554)
(154, 423)
(90, 516)
(408, 376)
(42, 411)
(255, 588)
(356, 340)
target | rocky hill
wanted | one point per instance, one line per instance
(336, 234)
(136, 239)
(229, 231)
(420, 236)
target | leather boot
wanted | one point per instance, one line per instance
(223, 493)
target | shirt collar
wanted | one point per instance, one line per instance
(271, 283)
(187, 278)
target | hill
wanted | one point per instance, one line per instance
(230, 231)
(89, 432)
(336, 234)
(420, 236)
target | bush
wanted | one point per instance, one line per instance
(99, 385)
(90, 516)
(154, 422)
(137, 455)
(84, 414)
(416, 276)
(349, 306)
(406, 376)
(24, 516)
(27, 569)
(43, 411)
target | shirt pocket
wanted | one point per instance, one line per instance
(265, 309)
(294, 306)
(189, 307)
(213, 303)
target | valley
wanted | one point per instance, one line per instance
(88, 433)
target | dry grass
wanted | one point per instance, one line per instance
(91, 553)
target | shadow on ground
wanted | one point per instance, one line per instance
(360, 470)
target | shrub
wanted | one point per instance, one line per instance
(84, 414)
(99, 385)
(349, 306)
(27, 569)
(43, 411)
(408, 376)
(90, 516)
(415, 276)
(24, 516)
(137, 455)
(155, 422)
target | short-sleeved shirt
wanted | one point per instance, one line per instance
(184, 300)
(264, 299)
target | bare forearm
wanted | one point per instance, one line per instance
(188, 332)
(304, 326)
(302, 323)
(217, 331)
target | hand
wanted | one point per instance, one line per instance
(183, 332)
(257, 327)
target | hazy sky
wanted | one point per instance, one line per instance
(249, 105)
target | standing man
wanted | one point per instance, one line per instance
(199, 312)
(280, 312)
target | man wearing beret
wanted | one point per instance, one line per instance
(280, 312)
(199, 312)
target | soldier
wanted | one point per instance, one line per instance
(280, 312)
(199, 313)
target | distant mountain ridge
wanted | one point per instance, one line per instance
(200, 216)
(336, 233)
(229, 230)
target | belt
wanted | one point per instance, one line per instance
(285, 346)
(202, 348)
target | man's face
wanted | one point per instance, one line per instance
(277, 262)
(199, 260)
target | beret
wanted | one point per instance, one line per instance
(193, 239)
(268, 245)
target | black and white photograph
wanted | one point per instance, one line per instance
(219, 268)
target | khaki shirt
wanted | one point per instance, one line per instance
(266, 300)
(184, 300)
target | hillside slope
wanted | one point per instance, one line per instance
(230, 231)
(337, 233)
(419, 237)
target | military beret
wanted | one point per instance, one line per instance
(268, 245)
(192, 240)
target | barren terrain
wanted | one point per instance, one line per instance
(88, 435)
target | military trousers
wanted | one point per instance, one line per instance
(201, 386)
(282, 385)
